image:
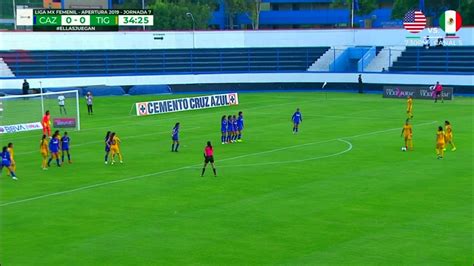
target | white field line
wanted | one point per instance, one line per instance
(348, 149)
(190, 166)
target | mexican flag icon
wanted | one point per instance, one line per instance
(450, 21)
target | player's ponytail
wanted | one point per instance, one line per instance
(209, 144)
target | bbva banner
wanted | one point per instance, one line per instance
(186, 104)
(20, 127)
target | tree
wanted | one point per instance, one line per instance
(467, 12)
(365, 6)
(251, 8)
(171, 14)
(401, 7)
(434, 8)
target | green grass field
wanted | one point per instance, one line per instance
(340, 192)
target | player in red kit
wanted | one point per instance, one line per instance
(46, 123)
(438, 92)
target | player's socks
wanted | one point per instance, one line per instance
(240, 136)
(57, 162)
(49, 161)
(68, 157)
(62, 158)
(176, 149)
(203, 170)
(214, 170)
(172, 147)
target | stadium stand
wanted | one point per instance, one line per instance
(436, 59)
(149, 89)
(126, 62)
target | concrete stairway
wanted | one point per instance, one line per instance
(5, 71)
(385, 59)
(323, 62)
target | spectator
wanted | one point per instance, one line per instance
(426, 42)
(440, 42)
(89, 99)
(361, 84)
(25, 88)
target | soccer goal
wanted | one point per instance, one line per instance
(24, 112)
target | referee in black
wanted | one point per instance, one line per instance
(361, 84)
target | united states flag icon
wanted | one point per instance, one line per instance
(414, 21)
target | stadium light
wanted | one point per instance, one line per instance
(189, 14)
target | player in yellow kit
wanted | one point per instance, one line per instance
(410, 107)
(449, 135)
(115, 147)
(12, 155)
(440, 141)
(407, 133)
(44, 152)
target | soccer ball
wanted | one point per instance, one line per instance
(404, 148)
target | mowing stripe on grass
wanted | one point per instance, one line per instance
(191, 166)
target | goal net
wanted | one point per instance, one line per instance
(24, 112)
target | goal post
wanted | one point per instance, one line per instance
(23, 112)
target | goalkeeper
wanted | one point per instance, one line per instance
(46, 123)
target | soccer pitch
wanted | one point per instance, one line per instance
(339, 192)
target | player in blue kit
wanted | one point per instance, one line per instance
(297, 118)
(234, 125)
(54, 149)
(107, 147)
(223, 129)
(230, 129)
(6, 162)
(240, 126)
(175, 138)
(65, 141)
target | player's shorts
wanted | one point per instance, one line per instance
(439, 145)
(437, 93)
(54, 151)
(8, 163)
(115, 149)
(209, 159)
(449, 137)
(175, 138)
(65, 149)
(44, 152)
(240, 128)
(408, 136)
(107, 148)
(296, 122)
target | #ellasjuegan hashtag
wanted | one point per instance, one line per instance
(75, 28)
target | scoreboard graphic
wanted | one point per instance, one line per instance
(83, 19)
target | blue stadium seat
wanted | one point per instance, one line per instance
(125, 62)
(436, 59)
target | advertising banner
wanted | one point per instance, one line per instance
(186, 104)
(64, 122)
(20, 127)
(416, 92)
